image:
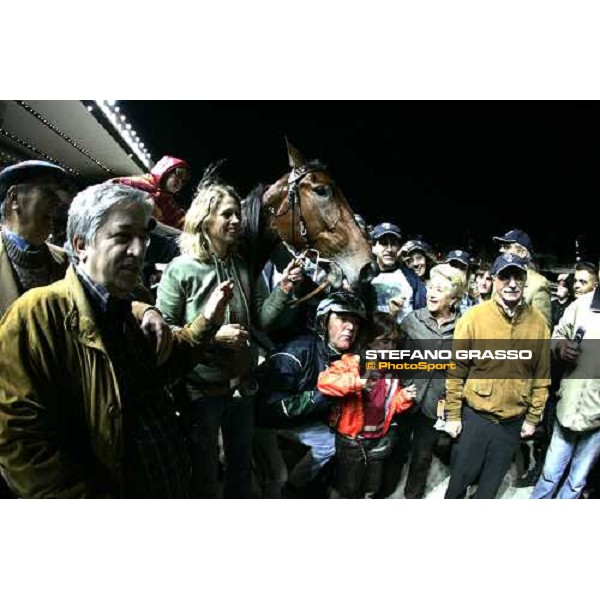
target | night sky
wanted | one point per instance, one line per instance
(450, 171)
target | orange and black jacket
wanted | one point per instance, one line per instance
(342, 380)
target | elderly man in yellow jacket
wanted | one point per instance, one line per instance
(83, 407)
(492, 403)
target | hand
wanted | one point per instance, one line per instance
(292, 275)
(214, 309)
(367, 383)
(453, 428)
(155, 329)
(527, 429)
(411, 391)
(232, 336)
(396, 304)
(569, 350)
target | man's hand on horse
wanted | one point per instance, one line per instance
(232, 336)
(292, 276)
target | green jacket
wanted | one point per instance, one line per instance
(182, 294)
(61, 430)
(504, 389)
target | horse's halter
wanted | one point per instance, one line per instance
(297, 174)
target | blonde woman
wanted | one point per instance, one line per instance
(430, 326)
(219, 390)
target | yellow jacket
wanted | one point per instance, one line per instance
(537, 294)
(504, 389)
(60, 406)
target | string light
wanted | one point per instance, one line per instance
(118, 120)
(33, 149)
(63, 135)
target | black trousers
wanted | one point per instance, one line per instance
(484, 451)
(425, 439)
(400, 434)
(360, 465)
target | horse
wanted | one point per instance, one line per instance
(306, 212)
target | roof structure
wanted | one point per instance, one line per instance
(92, 140)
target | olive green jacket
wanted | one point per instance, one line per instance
(183, 292)
(61, 429)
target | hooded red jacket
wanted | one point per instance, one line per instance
(166, 210)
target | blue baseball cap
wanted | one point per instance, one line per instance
(386, 229)
(508, 259)
(515, 236)
(460, 256)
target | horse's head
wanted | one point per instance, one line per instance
(308, 210)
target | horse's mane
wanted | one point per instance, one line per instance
(256, 248)
(251, 211)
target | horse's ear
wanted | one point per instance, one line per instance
(295, 158)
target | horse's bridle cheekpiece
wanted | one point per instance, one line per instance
(297, 174)
(314, 269)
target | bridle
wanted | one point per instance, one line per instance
(335, 275)
(294, 204)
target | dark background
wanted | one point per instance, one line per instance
(455, 172)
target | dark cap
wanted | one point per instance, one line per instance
(27, 170)
(414, 245)
(508, 259)
(386, 229)
(460, 256)
(515, 236)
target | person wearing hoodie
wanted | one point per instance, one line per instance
(220, 390)
(166, 179)
(168, 176)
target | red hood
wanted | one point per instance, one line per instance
(164, 166)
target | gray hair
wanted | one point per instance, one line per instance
(453, 275)
(91, 207)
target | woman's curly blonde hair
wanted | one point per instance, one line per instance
(210, 193)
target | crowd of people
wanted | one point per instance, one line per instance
(140, 357)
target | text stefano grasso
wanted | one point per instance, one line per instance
(411, 355)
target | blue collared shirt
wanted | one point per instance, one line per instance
(101, 297)
(21, 243)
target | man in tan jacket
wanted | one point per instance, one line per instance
(495, 402)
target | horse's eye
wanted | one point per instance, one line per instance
(322, 190)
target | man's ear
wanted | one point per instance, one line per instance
(80, 248)
(12, 199)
